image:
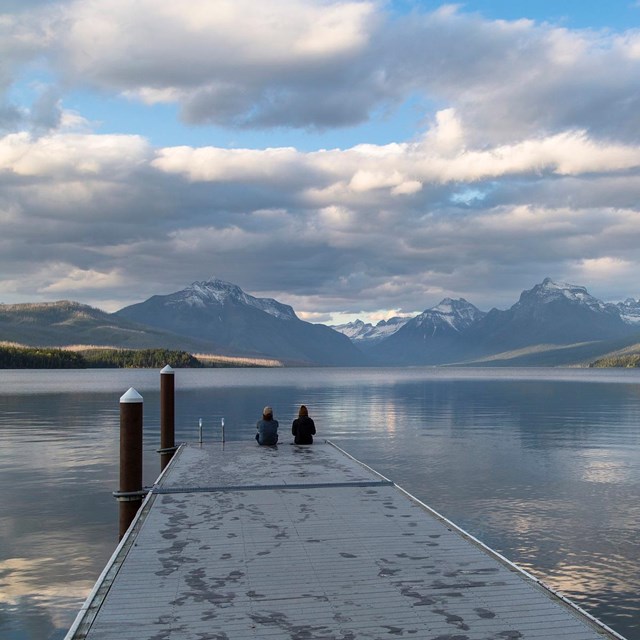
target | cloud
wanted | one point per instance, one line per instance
(80, 280)
(229, 62)
(404, 168)
(70, 155)
(527, 163)
(360, 229)
(46, 111)
(320, 64)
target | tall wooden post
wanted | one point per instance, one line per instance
(130, 494)
(167, 416)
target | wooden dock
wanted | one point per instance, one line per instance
(237, 541)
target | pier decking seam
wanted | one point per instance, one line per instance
(271, 487)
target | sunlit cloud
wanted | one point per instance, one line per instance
(524, 161)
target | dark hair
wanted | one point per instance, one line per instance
(303, 411)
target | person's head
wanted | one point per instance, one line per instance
(303, 411)
(267, 413)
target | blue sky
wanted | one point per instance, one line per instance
(571, 14)
(350, 158)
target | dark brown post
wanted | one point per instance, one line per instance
(130, 494)
(167, 416)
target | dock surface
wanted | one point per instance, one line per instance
(241, 541)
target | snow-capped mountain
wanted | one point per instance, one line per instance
(549, 291)
(431, 337)
(553, 323)
(237, 323)
(356, 330)
(363, 334)
(550, 313)
(448, 315)
(629, 311)
(201, 294)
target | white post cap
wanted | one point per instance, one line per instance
(167, 369)
(131, 396)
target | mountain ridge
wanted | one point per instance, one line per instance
(225, 316)
(552, 323)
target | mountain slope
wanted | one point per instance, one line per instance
(222, 314)
(64, 323)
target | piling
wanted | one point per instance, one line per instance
(130, 494)
(167, 416)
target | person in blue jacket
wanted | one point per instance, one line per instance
(303, 427)
(267, 428)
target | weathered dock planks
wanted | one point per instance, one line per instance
(240, 541)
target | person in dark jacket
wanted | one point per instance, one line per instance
(267, 428)
(303, 427)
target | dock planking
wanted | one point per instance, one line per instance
(238, 541)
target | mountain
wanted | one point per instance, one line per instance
(551, 312)
(235, 322)
(365, 334)
(552, 323)
(433, 337)
(64, 323)
(629, 311)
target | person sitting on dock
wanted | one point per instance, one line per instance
(303, 427)
(267, 428)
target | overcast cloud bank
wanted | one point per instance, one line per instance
(525, 165)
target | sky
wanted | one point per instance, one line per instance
(355, 159)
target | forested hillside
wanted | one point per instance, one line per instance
(12, 357)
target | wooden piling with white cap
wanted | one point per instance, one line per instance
(131, 493)
(167, 416)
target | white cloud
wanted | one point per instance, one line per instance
(324, 63)
(72, 279)
(226, 61)
(213, 164)
(529, 164)
(70, 154)
(403, 168)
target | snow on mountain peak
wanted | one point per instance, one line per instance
(550, 290)
(216, 291)
(359, 331)
(458, 314)
(629, 311)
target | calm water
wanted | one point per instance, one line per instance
(542, 465)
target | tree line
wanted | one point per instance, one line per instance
(52, 358)
(630, 361)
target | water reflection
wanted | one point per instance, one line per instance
(544, 466)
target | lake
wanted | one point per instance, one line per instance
(542, 465)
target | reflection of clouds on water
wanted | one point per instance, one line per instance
(40, 606)
(22, 577)
(608, 466)
(58, 526)
(582, 545)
